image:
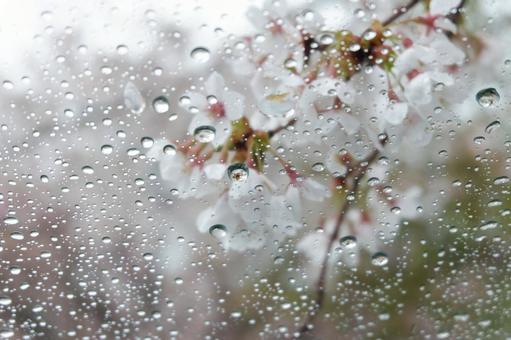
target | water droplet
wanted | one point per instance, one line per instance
(178, 281)
(122, 49)
(5, 301)
(501, 180)
(106, 149)
(169, 150)
(133, 99)
(204, 134)
(492, 126)
(238, 172)
(87, 170)
(161, 104)
(318, 167)
(147, 142)
(218, 231)
(488, 97)
(200, 54)
(6, 334)
(132, 152)
(11, 220)
(379, 259)
(148, 256)
(489, 225)
(348, 241)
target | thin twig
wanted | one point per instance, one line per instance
(273, 132)
(400, 11)
(357, 174)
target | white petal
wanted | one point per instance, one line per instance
(334, 165)
(418, 90)
(215, 171)
(396, 113)
(314, 191)
(234, 104)
(197, 100)
(215, 85)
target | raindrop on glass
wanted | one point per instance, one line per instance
(106, 149)
(147, 142)
(11, 220)
(488, 97)
(169, 150)
(218, 231)
(161, 104)
(379, 259)
(204, 134)
(492, 126)
(348, 241)
(200, 54)
(237, 172)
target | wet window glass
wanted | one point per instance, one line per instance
(255, 169)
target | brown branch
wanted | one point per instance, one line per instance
(273, 132)
(400, 11)
(357, 174)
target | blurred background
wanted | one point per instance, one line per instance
(94, 244)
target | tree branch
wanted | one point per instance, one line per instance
(400, 11)
(357, 174)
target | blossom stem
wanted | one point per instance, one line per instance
(400, 11)
(356, 173)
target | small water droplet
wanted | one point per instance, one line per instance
(147, 142)
(204, 134)
(501, 180)
(11, 220)
(348, 241)
(238, 172)
(488, 97)
(122, 49)
(200, 54)
(169, 150)
(5, 301)
(161, 104)
(489, 225)
(318, 167)
(106, 149)
(379, 259)
(492, 126)
(218, 231)
(87, 170)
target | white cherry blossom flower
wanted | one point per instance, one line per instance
(216, 107)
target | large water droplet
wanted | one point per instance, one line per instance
(238, 172)
(133, 99)
(204, 134)
(200, 54)
(488, 97)
(161, 104)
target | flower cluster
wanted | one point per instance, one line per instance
(307, 88)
